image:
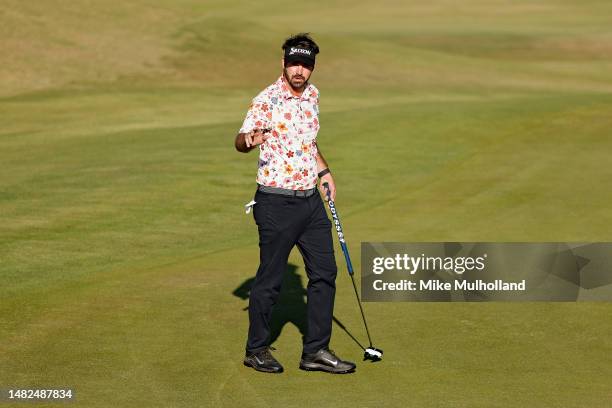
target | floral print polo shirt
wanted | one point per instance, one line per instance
(288, 158)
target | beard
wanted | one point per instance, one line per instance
(297, 82)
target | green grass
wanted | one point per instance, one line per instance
(123, 232)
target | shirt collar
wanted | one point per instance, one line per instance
(310, 93)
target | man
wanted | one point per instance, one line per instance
(283, 122)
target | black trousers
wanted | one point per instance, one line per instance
(284, 222)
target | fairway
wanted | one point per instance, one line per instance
(125, 251)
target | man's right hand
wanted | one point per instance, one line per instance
(245, 142)
(256, 137)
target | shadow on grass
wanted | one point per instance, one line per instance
(291, 306)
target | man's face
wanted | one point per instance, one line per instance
(297, 74)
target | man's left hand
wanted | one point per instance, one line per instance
(330, 183)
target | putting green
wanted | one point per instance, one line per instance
(125, 250)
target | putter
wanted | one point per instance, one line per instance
(370, 353)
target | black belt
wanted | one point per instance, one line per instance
(287, 192)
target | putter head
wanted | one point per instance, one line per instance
(372, 354)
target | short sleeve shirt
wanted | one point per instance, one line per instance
(288, 158)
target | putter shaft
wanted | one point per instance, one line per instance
(349, 264)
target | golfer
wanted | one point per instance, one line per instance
(283, 121)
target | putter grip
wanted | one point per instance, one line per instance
(332, 206)
(327, 192)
